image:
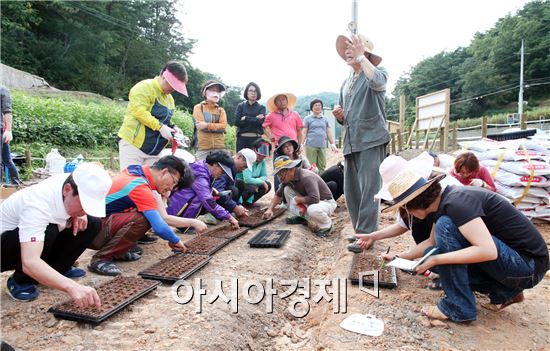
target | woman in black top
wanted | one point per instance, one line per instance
(249, 117)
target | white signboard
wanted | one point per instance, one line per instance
(432, 110)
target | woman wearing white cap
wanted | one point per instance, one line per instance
(147, 125)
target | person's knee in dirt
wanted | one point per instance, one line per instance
(484, 244)
(308, 197)
(47, 226)
(133, 190)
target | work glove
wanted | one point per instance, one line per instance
(166, 132)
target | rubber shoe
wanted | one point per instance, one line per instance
(147, 239)
(324, 232)
(351, 239)
(355, 248)
(75, 272)
(21, 292)
(296, 220)
(104, 267)
(136, 249)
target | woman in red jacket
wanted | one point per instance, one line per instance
(468, 171)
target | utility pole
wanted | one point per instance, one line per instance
(352, 26)
(520, 98)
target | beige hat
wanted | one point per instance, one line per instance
(342, 44)
(406, 186)
(290, 97)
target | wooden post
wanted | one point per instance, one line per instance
(484, 126)
(523, 121)
(447, 119)
(28, 157)
(399, 140)
(455, 134)
(402, 112)
(393, 137)
(112, 161)
(417, 139)
(442, 139)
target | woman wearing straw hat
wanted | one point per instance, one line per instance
(361, 113)
(484, 244)
(282, 120)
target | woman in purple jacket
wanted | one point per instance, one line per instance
(198, 199)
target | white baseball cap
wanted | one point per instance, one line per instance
(93, 184)
(249, 155)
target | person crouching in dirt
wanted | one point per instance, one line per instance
(47, 226)
(334, 177)
(308, 197)
(252, 183)
(244, 159)
(198, 199)
(132, 209)
(484, 244)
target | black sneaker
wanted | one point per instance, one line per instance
(355, 248)
(324, 232)
(147, 239)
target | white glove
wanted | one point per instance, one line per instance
(8, 136)
(477, 182)
(166, 132)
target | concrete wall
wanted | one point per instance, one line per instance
(13, 78)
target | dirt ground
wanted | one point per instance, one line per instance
(158, 322)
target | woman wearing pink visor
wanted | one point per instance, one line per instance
(147, 125)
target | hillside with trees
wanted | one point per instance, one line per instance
(484, 77)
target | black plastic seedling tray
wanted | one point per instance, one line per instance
(269, 238)
(368, 262)
(175, 267)
(129, 288)
(226, 232)
(252, 222)
(195, 245)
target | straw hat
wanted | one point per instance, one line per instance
(392, 165)
(406, 186)
(342, 44)
(290, 97)
(285, 162)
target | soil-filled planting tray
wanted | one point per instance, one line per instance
(269, 238)
(226, 232)
(254, 218)
(205, 245)
(175, 267)
(363, 263)
(114, 294)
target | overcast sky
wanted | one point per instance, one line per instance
(289, 45)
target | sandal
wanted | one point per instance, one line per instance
(105, 268)
(497, 308)
(21, 292)
(128, 256)
(434, 313)
(435, 284)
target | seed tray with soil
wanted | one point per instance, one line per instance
(387, 277)
(205, 245)
(269, 238)
(114, 294)
(226, 232)
(175, 267)
(254, 218)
